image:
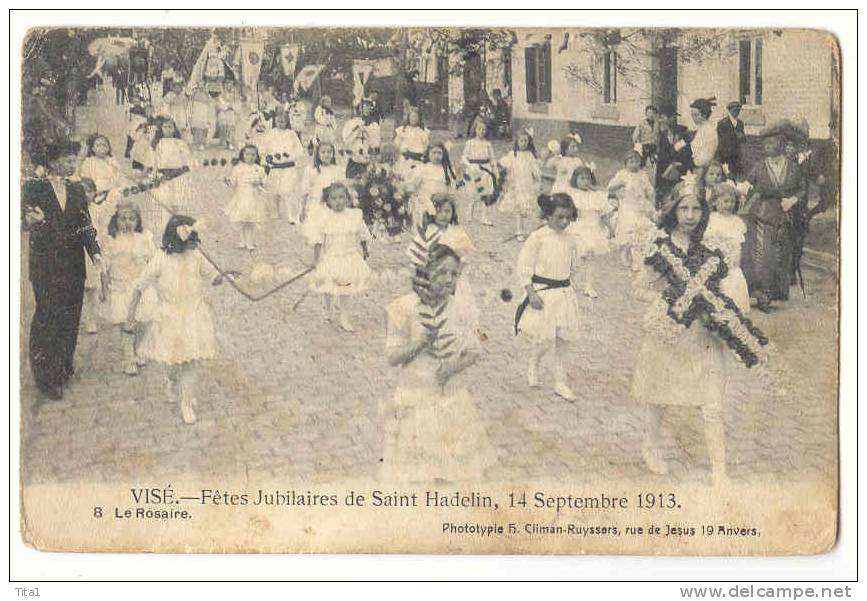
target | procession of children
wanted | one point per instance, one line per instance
(348, 193)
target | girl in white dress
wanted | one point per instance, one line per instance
(549, 313)
(101, 168)
(142, 151)
(591, 233)
(522, 180)
(325, 121)
(433, 176)
(433, 431)
(480, 175)
(181, 334)
(564, 165)
(682, 361)
(727, 230)
(341, 270)
(172, 163)
(248, 206)
(285, 159)
(412, 140)
(324, 171)
(203, 117)
(127, 250)
(634, 198)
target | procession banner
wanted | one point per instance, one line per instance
(251, 62)
(307, 77)
(289, 58)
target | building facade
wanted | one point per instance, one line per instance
(602, 80)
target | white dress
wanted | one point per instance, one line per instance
(589, 231)
(248, 203)
(107, 175)
(182, 326)
(126, 256)
(521, 187)
(563, 168)
(142, 152)
(553, 255)
(411, 140)
(424, 181)
(728, 233)
(636, 204)
(432, 431)
(341, 269)
(288, 159)
(314, 182)
(704, 144)
(175, 193)
(479, 164)
(676, 365)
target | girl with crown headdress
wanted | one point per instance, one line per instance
(689, 325)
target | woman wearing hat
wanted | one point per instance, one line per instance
(778, 189)
(57, 218)
(705, 139)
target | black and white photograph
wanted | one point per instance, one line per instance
(429, 289)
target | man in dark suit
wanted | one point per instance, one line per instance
(674, 155)
(730, 131)
(60, 230)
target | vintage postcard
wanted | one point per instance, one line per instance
(429, 290)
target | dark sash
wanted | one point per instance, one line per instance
(546, 284)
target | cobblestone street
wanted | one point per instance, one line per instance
(292, 396)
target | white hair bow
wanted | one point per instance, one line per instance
(575, 136)
(184, 232)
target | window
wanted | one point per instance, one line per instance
(538, 64)
(609, 82)
(750, 71)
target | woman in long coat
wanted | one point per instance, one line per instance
(779, 189)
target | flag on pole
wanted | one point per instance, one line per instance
(361, 71)
(252, 52)
(307, 77)
(289, 58)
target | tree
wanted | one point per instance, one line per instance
(639, 49)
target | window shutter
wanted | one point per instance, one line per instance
(744, 72)
(545, 73)
(757, 95)
(530, 60)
